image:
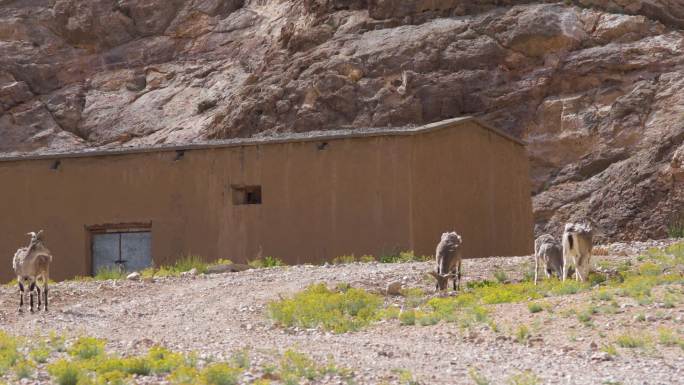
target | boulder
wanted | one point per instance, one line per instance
(394, 288)
(134, 276)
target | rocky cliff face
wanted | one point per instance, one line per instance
(594, 86)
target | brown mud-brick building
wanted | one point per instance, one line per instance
(303, 198)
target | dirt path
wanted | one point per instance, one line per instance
(219, 314)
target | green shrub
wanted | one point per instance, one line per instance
(220, 374)
(426, 319)
(40, 354)
(477, 378)
(295, 365)
(524, 378)
(501, 276)
(190, 262)
(240, 359)
(111, 378)
(632, 340)
(137, 365)
(670, 301)
(317, 306)
(650, 268)
(534, 307)
(675, 228)
(104, 364)
(414, 296)
(610, 349)
(64, 372)
(604, 295)
(390, 313)
(449, 307)
(585, 317)
(57, 342)
(182, 265)
(570, 286)
(522, 334)
(677, 252)
(164, 361)
(266, 262)
(24, 369)
(9, 353)
(406, 377)
(462, 308)
(184, 375)
(407, 317)
(595, 279)
(507, 293)
(402, 257)
(668, 337)
(344, 259)
(87, 347)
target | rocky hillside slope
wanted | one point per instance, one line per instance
(594, 86)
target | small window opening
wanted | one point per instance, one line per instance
(56, 165)
(179, 155)
(322, 146)
(246, 195)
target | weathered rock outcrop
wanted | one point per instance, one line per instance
(594, 86)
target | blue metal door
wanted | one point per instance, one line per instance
(126, 251)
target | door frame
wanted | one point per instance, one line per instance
(126, 227)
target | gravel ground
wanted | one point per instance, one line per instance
(219, 314)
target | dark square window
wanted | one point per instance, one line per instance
(246, 195)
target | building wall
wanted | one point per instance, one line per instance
(362, 195)
(476, 183)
